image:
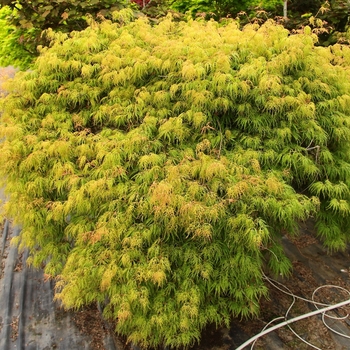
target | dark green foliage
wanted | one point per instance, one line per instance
(329, 19)
(338, 15)
(331, 24)
(154, 168)
(223, 8)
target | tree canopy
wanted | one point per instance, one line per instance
(154, 168)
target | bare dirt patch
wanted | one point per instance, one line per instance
(14, 328)
(89, 322)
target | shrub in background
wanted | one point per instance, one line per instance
(22, 23)
(17, 47)
(223, 8)
(155, 168)
(60, 15)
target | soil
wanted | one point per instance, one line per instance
(89, 322)
(312, 329)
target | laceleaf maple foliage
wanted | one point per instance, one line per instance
(154, 168)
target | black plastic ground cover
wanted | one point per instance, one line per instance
(29, 317)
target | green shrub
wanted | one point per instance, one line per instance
(17, 47)
(22, 23)
(155, 168)
(223, 8)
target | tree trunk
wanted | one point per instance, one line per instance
(285, 9)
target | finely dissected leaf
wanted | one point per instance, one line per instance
(154, 168)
